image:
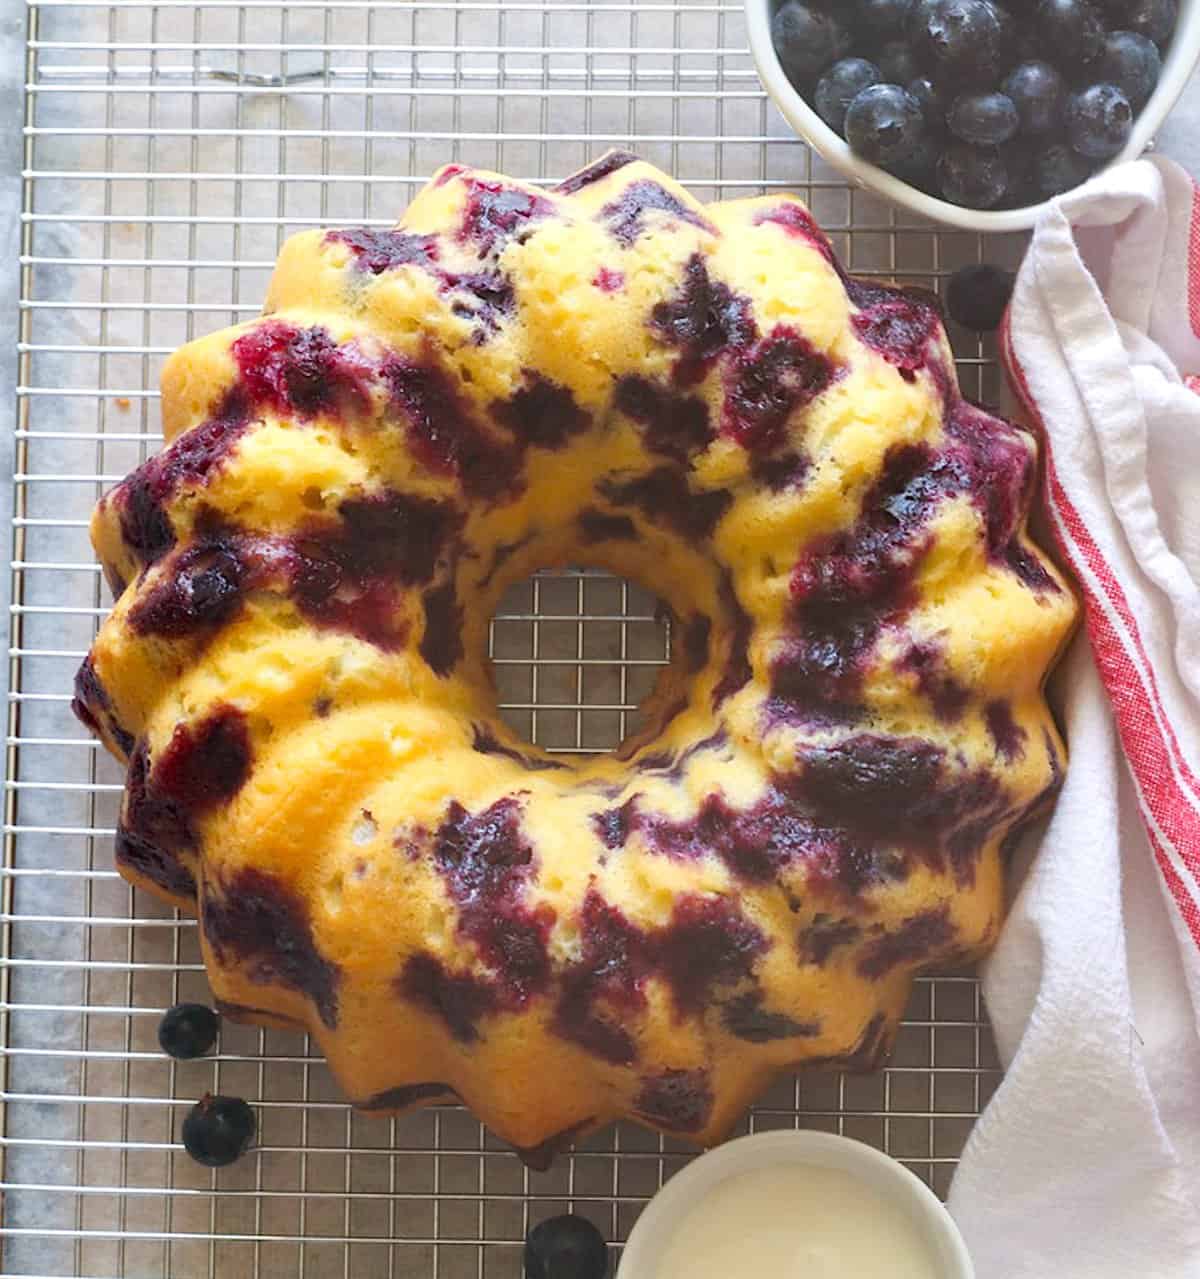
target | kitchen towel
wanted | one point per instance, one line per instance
(1086, 1163)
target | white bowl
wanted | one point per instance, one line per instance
(891, 1180)
(1177, 68)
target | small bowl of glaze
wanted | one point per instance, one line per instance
(788, 1202)
(1178, 64)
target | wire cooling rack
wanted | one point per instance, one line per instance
(169, 148)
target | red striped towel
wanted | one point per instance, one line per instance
(1087, 1161)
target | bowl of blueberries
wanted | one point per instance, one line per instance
(975, 112)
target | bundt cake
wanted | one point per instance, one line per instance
(607, 373)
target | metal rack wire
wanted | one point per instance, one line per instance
(169, 148)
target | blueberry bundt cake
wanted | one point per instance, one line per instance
(607, 373)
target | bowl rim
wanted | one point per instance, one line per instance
(880, 1172)
(1178, 66)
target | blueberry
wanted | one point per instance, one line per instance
(1131, 62)
(974, 177)
(1072, 29)
(977, 296)
(919, 167)
(880, 20)
(1056, 168)
(1154, 19)
(187, 1030)
(959, 39)
(933, 104)
(1099, 120)
(986, 119)
(1036, 90)
(1018, 155)
(218, 1130)
(807, 41)
(839, 86)
(884, 124)
(565, 1247)
(896, 63)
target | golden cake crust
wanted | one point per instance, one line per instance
(611, 373)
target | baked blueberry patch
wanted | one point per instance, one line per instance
(256, 920)
(541, 413)
(701, 320)
(608, 163)
(680, 1100)
(768, 381)
(898, 323)
(461, 1000)
(495, 213)
(375, 249)
(708, 943)
(92, 706)
(406, 1095)
(746, 1018)
(195, 456)
(673, 423)
(663, 497)
(303, 371)
(919, 937)
(626, 216)
(441, 645)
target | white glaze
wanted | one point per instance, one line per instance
(796, 1221)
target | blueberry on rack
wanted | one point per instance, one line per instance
(187, 1030)
(566, 1247)
(977, 296)
(218, 1130)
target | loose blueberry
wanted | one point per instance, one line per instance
(187, 1030)
(807, 40)
(1057, 168)
(884, 124)
(977, 296)
(1072, 28)
(839, 86)
(986, 119)
(878, 21)
(1099, 120)
(218, 1130)
(974, 177)
(933, 104)
(896, 63)
(1036, 90)
(961, 39)
(1154, 19)
(566, 1247)
(1131, 62)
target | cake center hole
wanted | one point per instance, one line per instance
(575, 652)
